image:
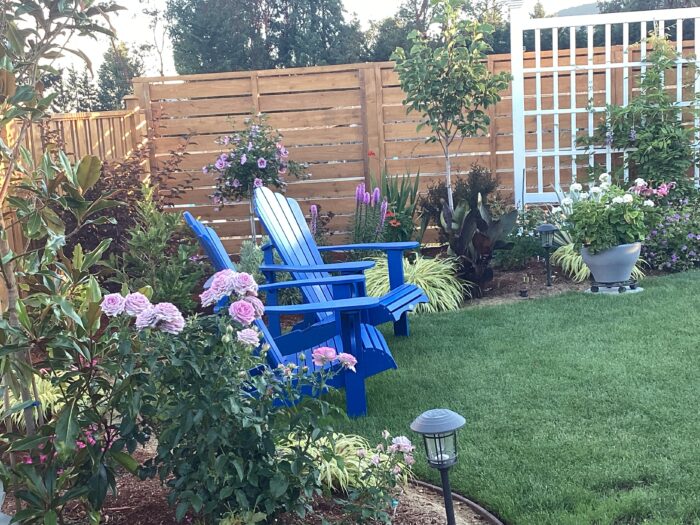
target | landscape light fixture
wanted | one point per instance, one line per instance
(439, 430)
(546, 233)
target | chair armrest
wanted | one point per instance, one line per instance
(349, 267)
(341, 305)
(381, 246)
(330, 281)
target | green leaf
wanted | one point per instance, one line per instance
(126, 461)
(88, 172)
(67, 427)
(67, 168)
(68, 310)
(50, 518)
(95, 255)
(28, 443)
(181, 510)
(17, 408)
(278, 485)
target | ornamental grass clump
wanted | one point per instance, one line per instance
(437, 277)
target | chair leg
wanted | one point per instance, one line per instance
(355, 392)
(401, 326)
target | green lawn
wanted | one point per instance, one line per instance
(580, 409)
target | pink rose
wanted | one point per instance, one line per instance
(347, 361)
(112, 305)
(403, 444)
(242, 312)
(145, 319)
(257, 304)
(222, 285)
(323, 355)
(168, 318)
(135, 303)
(167, 312)
(248, 336)
(244, 283)
(173, 327)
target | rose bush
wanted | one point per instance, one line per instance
(222, 411)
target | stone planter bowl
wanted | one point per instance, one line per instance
(614, 265)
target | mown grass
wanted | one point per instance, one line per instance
(581, 409)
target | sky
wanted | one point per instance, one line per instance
(132, 26)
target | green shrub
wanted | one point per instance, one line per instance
(161, 253)
(525, 243)
(436, 277)
(251, 258)
(656, 147)
(467, 188)
(673, 243)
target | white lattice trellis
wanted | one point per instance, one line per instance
(563, 156)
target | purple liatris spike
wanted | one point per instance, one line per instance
(366, 198)
(376, 196)
(360, 192)
(382, 214)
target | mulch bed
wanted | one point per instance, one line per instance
(145, 503)
(506, 285)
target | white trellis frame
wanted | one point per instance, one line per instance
(528, 123)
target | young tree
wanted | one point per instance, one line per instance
(446, 79)
(114, 76)
(33, 36)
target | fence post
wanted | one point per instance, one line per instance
(493, 145)
(372, 122)
(142, 92)
(517, 99)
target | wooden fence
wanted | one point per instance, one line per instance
(110, 135)
(347, 122)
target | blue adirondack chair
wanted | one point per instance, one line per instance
(290, 236)
(341, 327)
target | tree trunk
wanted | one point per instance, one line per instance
(448, 178)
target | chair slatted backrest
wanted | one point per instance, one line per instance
(287, 228)
(214, 248)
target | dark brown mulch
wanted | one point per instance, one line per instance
(417, 507)
(145, 503)
(506, 285)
